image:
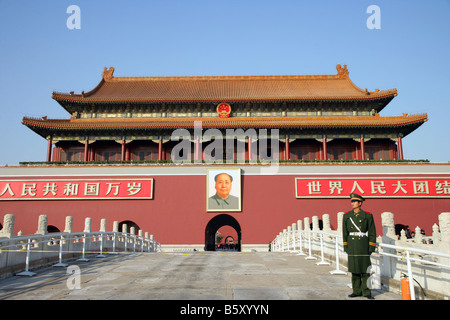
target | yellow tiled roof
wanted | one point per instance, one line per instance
(224, 88)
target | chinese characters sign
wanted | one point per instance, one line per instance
(377, 187)
(76, 189)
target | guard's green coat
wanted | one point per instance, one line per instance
(359, 248)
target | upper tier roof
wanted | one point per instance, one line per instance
(337, 87)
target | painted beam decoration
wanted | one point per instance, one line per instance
(373, 187)
(76, 189)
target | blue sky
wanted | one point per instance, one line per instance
(39, 54)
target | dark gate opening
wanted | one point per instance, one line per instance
(215, 224)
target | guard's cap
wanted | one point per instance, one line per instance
(357, 197)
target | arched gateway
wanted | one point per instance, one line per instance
(215, 224)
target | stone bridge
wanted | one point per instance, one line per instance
(186, 276)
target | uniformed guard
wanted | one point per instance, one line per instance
(359, 235)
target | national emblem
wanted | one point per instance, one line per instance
(224, 110)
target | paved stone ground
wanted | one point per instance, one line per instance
(188, 276)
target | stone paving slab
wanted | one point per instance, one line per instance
(188, 276)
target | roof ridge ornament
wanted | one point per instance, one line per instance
(108, 74)
(342, 71)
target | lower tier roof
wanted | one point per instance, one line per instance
(402, 124)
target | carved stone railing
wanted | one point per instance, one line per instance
(424, 261)
(20, 254)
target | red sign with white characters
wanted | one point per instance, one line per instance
(76, 189)
(376, 187)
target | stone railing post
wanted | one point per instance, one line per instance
(69, 224)
(103, 225)
(388, 224)
(288, 238)
(326, 222)
(403, 236)
(141, 241)
(307, 224)
(87, 228)
(299, 228)
(444, 246)
(418, 237)
(315, 221)
(133, 232)
(315, 227)
(68, 228)
(388, 265)
(444, 226)
(102, 238)
(294, 236)
(152, 239)
(8, 226)
(125, 236)
(340, 218)
(299, 225)
(42, 224)
(436, 234)
(88, 225)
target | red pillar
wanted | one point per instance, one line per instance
(249, 148)
(92, 153)
(56, 154)
(400, 148)
(287, 154)
(122, 156)
(324, 149)
(197, 149)
(160, 149)
(49, 150)
(363, 152)
(86, 150)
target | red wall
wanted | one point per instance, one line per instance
(177, 214)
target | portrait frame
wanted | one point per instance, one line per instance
(236, 190)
